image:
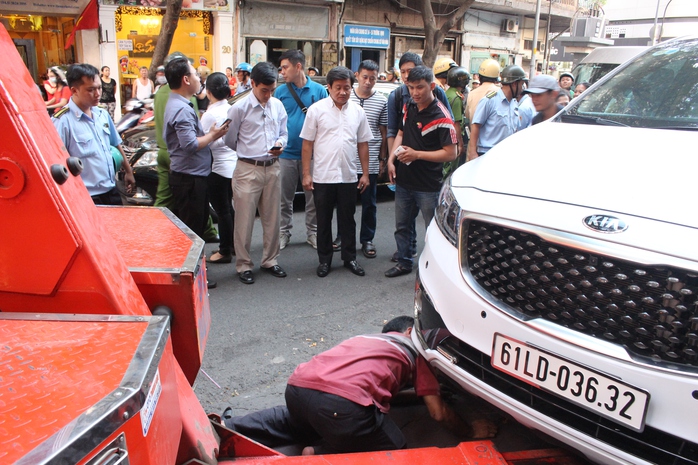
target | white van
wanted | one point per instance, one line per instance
(603, 60)
(564, 264)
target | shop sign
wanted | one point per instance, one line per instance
(261, 19)
(125, 44)
(143, 46)
(208, 5)
(356, 35)
(44, 7)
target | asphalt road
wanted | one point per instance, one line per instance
(261, 332)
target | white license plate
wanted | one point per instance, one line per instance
(587, 388)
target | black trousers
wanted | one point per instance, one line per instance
(111, 197)
(190, 196)
(220, 192)
(327, 197)
(331, 423)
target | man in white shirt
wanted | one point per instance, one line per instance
(258, 134)
(334, 129)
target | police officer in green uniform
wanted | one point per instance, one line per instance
(457, 80)
(497, 115)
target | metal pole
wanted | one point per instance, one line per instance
(654, 31)
(546, 51)
(534, 46)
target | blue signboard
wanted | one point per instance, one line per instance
(356, 35)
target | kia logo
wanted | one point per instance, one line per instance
(605, 223)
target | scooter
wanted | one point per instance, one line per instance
(135, 111)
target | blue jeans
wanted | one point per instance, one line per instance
(407, 205)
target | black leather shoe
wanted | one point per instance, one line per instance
(275, 270)
(397, 270)
(246, 277)
(211, 284)
(337, 245)
(354, 268)
(323, 269)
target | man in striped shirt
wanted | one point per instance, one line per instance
(375, 106)
(426, 139)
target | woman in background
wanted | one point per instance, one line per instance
(108, 97)
(220, 187)
(62, 95)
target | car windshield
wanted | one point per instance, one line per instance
(592, 72)
(657, 90)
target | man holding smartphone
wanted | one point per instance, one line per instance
(190, 156)
(258, 133)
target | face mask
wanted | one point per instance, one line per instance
(52, 80)
(162, 80)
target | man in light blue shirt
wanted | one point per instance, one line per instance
(292, 63)
(88, 133)
(258, 133)
(497, 115)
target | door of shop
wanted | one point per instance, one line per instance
(360, 54)
(27, 50)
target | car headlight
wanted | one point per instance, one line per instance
(147, 159)
(448, 213)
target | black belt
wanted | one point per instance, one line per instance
(254, 162)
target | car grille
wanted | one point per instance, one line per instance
(652, 445)
(650, 310)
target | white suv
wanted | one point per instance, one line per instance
(564, 264)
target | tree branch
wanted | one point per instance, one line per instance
(167, 29)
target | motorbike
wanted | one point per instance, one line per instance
(136, 112)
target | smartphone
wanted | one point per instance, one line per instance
(276, 147)
(227, 121)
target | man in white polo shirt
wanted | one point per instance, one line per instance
(334, 129)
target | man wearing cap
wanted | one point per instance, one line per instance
(543, 90)
(566, 81)
(497, 114)
(160, 79)
(393, 75)
(488, 76)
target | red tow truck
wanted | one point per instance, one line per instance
(100, 342)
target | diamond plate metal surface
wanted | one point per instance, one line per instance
(147, 238)
(52, 371)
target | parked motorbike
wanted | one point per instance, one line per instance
(135, 111)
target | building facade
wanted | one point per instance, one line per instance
(222, 33)
(631, 22)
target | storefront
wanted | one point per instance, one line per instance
(129, 32)
(136, 32)
(40, 31)
(269, 29)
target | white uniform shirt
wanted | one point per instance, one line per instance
(335, 133)
(254, 128)
(224, 158)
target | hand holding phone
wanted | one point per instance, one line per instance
(225, 123)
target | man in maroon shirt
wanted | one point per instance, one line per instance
(338, 401)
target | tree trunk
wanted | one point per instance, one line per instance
(433, 35)
(167, 30)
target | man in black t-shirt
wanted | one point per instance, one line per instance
(426, 138)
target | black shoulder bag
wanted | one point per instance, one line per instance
(295, 96)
